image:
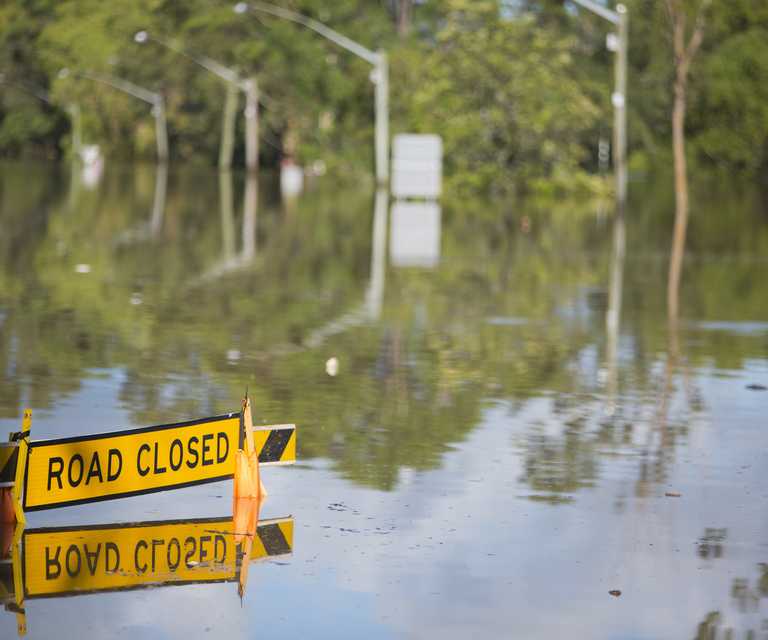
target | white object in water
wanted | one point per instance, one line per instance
(93, 165)
(291, 179)
(332, 366)
(90, 154)
(415, 234)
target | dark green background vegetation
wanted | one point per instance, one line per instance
(519, 89)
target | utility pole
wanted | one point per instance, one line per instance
(229, 120)
(161, 129)
(620, 19)
(379, 76)
(251, 88)
(619, 100)
(381, 83)
(233, 85)
(150, 97)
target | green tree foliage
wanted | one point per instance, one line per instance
(504, 94)
(727, 122)
(729, 115)
(520, 89)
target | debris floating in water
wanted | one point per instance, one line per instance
(673, 494)
(615, 593)
(757, 387)
(332, 366)
(82, 268)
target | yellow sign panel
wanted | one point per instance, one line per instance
(64, 562)
(111, 465)
(73, 561)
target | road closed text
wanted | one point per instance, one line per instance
(107, 558)
(74, 470)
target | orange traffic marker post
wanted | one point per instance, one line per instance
(247, 478)
(263, 446)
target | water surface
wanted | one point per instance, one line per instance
(514, 429)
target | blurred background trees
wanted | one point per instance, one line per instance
(519, 89)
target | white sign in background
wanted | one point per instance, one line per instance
(417, 166)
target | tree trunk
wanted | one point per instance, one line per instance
(684, 52)
(681, 196)
(404, 8)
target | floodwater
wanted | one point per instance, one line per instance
(498, 425)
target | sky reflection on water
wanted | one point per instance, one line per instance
(489, 457)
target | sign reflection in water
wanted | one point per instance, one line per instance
(415, 234)
(79, 560)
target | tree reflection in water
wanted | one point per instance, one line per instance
(507, 316)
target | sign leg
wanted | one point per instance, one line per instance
(21, 466)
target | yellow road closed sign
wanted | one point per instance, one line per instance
(80, 560)
(76, 470)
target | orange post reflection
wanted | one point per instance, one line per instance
(246, 521)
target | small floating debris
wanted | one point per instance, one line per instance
(332, 366)
(615, 593)
(757, 387)
(673, 494)
(82, 268)
(136, 299)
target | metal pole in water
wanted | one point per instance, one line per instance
(161, 130)
(620, 107)
(251, 88)
(228, 126)
(380, 75)
(381, 80)
(619, 18)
